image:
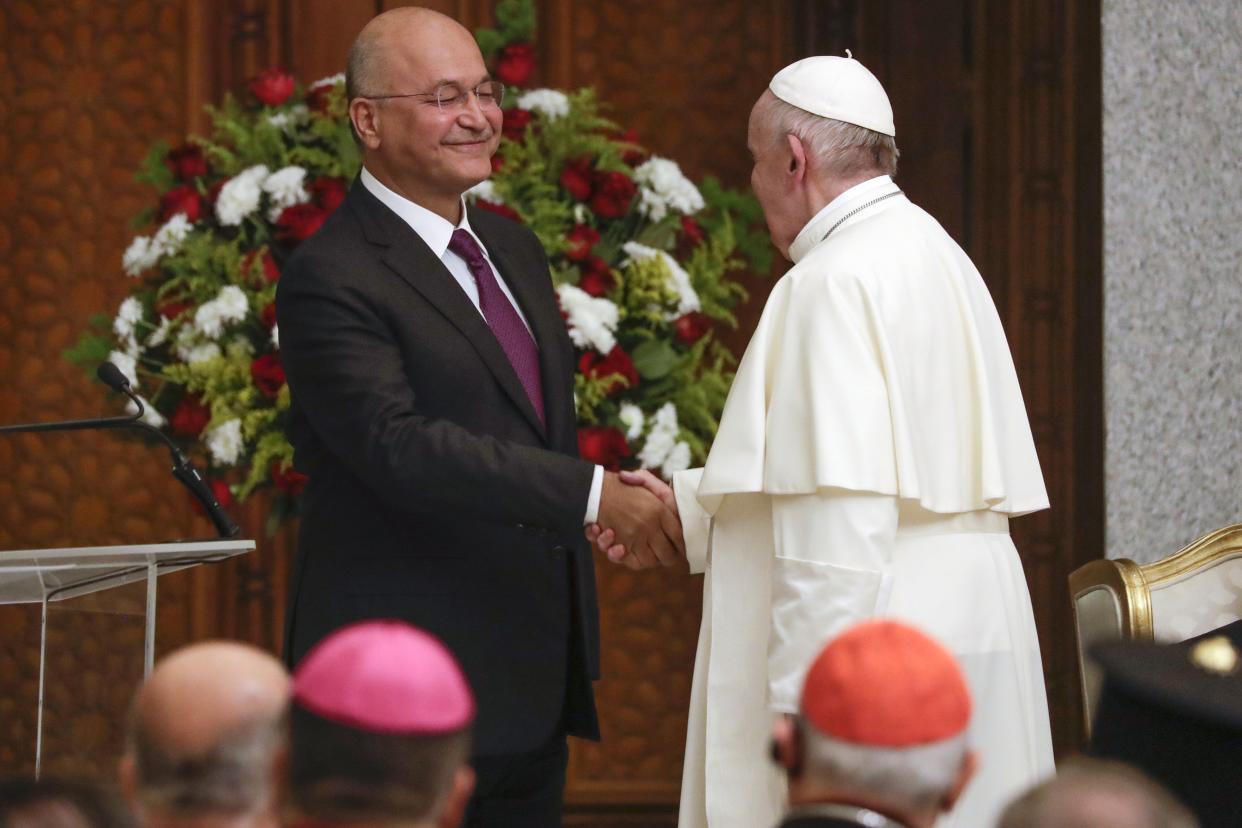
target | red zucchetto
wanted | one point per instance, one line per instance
(886, 684)
(384, 677)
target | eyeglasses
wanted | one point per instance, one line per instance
(453, 96)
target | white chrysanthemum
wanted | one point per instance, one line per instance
(169, 237)
(662, 439)
(230, 305)
(225, 443)
(276, 337)
(293, 116)
(591, 321)
(284, 188)
(549, 103)
(192, 348)
(687, 297)
(149, 415)
(127, 364)
(127, 318)
(160, 336)
(330, 80)
(139, 256)
(485, 190)
(582, 215)
(662, 186)
(239, 197)
(632, 418)
(678, 459)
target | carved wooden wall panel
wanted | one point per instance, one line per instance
(90, 86)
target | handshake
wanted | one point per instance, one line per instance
(638, 525)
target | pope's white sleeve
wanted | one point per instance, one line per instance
(833, 551)
(696, 523)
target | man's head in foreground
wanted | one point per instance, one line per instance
(380, 730)
(882, 726)
(206, 738)
(1089, 793)
(423, 106)
(823, 125)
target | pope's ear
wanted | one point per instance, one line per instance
(797, 157)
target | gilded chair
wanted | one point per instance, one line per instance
(1191, 592)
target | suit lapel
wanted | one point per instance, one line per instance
(411, 259)
(543, 316)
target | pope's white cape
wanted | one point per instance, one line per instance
(873, 446)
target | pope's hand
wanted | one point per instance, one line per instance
(612, 544)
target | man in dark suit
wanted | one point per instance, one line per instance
(879, 739)
(432, 406)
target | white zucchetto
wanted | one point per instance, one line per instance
(838, 88)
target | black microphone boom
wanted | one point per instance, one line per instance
(182, 468)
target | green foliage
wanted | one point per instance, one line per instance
(751, 231)
(515, 23)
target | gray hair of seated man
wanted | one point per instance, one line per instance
(1090, 793)
(909, 778)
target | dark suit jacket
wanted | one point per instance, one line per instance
(435, 495)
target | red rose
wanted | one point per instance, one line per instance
(692, 327)
(268, 374)
(328, 192)
(272, 86)
(581, 239)
(515, 123)
(633, 155)
(576, 178)
(603, 445)
(597, 278)
(691, 234)
(187, 162)
(268, 315)
(271, 273)
(498, 161)
(318, 98)
(183, 199)
(499, 209)
(516, 64)
(299, 222)
(171, 308)
(617, 365)
(190, 418)
(613, 192)
(287, 479)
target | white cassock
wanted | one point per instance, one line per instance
(872, 450)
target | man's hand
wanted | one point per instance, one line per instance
(612, 540)
(643, 529)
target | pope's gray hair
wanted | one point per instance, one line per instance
(843, 150)
(910, 778)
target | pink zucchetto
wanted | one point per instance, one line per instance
(384, 677)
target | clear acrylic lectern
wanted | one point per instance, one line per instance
(114, 581)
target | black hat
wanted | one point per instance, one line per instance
(1175, 712)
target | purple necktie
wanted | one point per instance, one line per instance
(502, 318)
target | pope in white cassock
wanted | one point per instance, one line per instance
(872, 450)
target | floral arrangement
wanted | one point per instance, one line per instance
(642, 258)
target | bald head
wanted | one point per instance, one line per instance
(387, 44)
(205, 731)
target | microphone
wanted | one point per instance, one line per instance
(182, 468)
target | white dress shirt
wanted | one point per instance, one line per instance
(436, 231)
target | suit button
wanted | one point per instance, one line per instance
(559, 550)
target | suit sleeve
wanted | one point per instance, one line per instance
(341, 358)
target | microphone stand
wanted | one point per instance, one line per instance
(182, 468)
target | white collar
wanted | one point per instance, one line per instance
(434, 229)
(834, 211)
(852, 813)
